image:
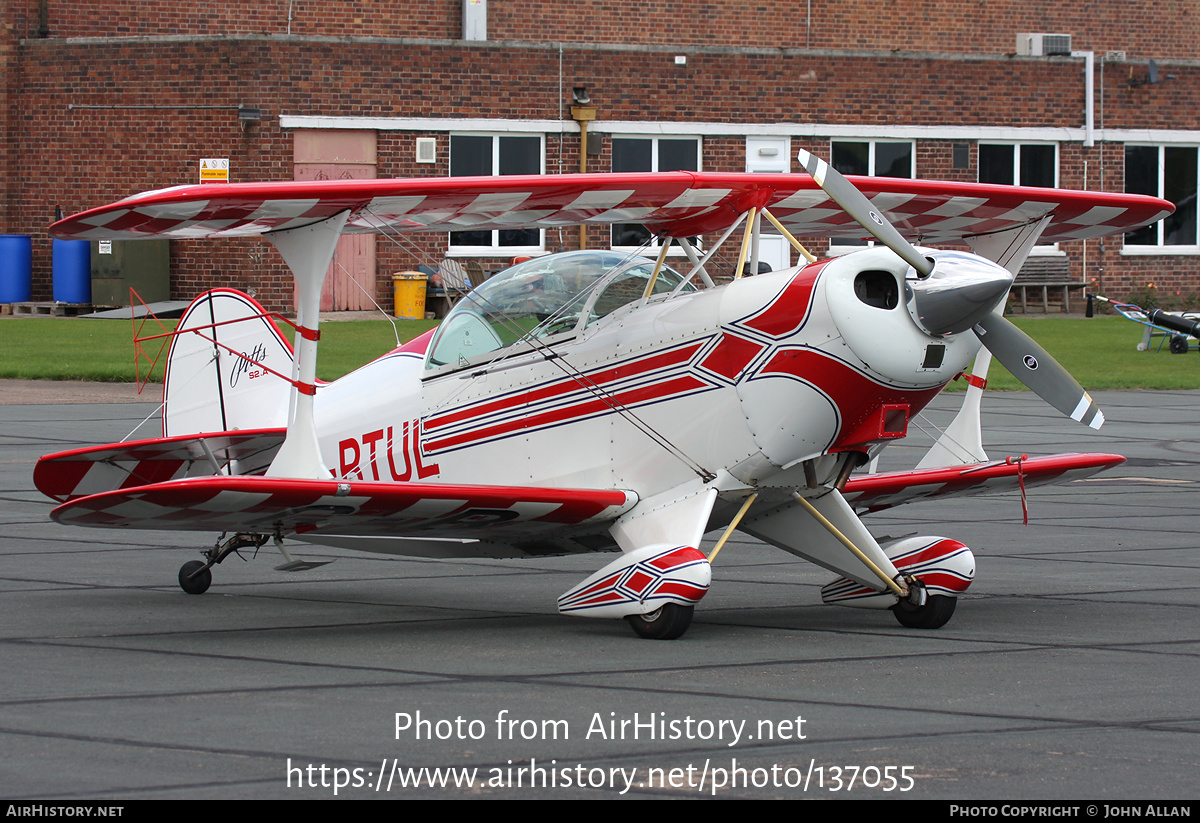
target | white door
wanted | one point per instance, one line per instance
(771, 155)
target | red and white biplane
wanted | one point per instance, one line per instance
(600, 401)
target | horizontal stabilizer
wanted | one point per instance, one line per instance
(883, 491)
(81, 472)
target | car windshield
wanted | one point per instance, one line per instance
(542, 298)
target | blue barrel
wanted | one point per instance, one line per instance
(72, 271)
(16, 268)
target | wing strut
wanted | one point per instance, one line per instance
(698, 265)
(694, 259)
(749, 244)
(809, 256)
(308, 252)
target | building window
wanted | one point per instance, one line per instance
(489, 155)
(635, 154)
(1019, 164)
(874, 158)
(1169, 172)
(870, 158)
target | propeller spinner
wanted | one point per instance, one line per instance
(949, 294)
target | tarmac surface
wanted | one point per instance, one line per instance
(1070, 670)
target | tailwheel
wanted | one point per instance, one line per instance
(933, 614)
(195, 577)
(664, 623)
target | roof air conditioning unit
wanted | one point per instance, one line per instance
(1041, 44)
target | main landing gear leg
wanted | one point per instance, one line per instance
(195, 576)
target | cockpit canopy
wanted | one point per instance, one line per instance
(547, 297)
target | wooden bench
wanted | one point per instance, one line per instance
(453, 284)
(1046, 273)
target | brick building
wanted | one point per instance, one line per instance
(105, 98)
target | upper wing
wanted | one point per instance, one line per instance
(674, 203)
(874, 492)
(268, 504)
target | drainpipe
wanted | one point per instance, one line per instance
(583, 114)
(1089, 94)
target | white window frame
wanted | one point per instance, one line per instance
(655, 245)
(836, 248)
(1042, 249)
(1160, 248)
(1017, 144)
(494, 249)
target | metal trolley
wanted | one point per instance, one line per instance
(1181, 330)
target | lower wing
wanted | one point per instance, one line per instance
(272, 505)
(875, 492)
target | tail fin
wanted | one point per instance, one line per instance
(227, 369)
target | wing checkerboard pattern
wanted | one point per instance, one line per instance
(668, 203)
(267, 504)
(875, 492)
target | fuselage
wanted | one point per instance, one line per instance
(752, 378)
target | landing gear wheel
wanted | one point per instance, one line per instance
(936, 612)
(194, 585)
(665, 623)
(1179, 345)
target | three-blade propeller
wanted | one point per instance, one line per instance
(1016, 350)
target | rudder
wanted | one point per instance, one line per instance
(220, 368)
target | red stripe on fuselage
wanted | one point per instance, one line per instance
(790, 309)
(624, 371)
(731, 356)
(856, 396)
(609, 403)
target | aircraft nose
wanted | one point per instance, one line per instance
(961, 291)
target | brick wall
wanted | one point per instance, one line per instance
(1153, 28)
(64, 143)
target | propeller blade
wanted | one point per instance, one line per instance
(856, 204)
(1034, 367)
(1028, 361)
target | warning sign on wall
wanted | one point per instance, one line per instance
(214, 170)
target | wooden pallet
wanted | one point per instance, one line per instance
(45, 309)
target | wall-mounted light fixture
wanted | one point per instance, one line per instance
(248, 116)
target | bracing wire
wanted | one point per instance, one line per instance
(527, 336)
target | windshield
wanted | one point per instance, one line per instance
(544, 297)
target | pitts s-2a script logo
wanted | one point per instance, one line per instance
(251, 365)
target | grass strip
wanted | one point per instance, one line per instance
(73, 348)
(1101, 352)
